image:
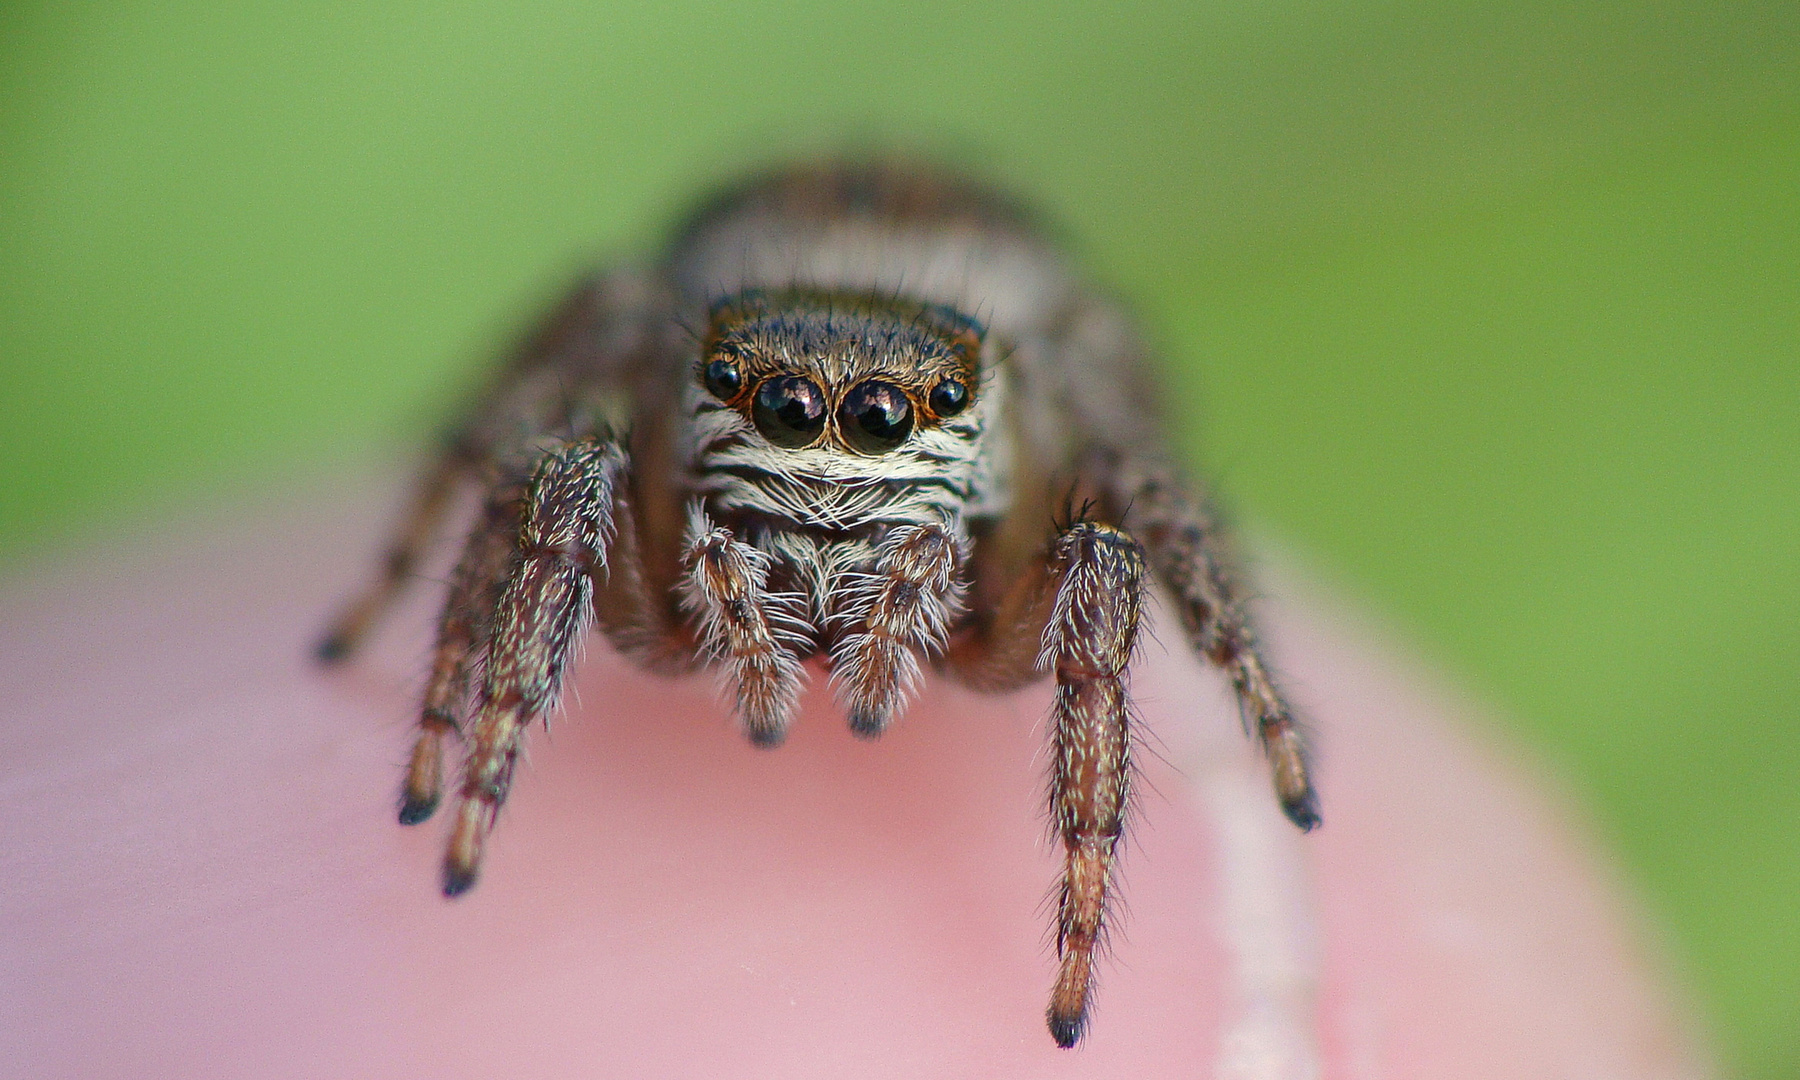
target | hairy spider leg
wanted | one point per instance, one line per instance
(498, 438)
(905, 609)
(1074, 608)
(1187, 547)
(547, 601)
(742, 624)
(1089, 642)
(463, 633)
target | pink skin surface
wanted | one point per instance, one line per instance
(202, 876)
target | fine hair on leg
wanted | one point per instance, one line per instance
(547, 601)
(1075, 609)
(463, 633)
(1088, 643)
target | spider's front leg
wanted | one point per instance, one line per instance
(744, 625)
(1089, 641)
(1075, 610)
(565, 529)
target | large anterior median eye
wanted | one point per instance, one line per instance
(790, 411)
(875, 417)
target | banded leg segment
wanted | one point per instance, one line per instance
(566, 527)
(1088, 642)
(1187, 546)
(910, 601)
(741, 625)
(463, 633)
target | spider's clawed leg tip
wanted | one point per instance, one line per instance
(867, 724)
(765, 738)
(1066, 1030)
(415, 809)
(332, 649)
(457, 880)
(1304, 811)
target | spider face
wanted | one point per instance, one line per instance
(857, 374)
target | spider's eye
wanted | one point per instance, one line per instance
(875, 417)
(949, 397)
(790, 411)
(723, 379)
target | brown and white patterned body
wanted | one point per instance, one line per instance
(863, 413)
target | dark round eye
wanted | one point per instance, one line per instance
(875, 417)
(790, 411)
(949, 397)
(723, 379)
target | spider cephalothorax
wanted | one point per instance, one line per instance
(836, 467)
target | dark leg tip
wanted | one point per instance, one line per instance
(868, 725)
(332, 649)
(1303, 811)
(457, 880)
(1066, 1030)
(766, 738)
(413, 809)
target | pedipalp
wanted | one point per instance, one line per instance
(903, 610)
(727, 588)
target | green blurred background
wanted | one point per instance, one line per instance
(1492, 309)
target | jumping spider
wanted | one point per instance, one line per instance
(836, 419)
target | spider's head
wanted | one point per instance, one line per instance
(857, 373)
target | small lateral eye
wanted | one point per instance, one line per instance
(875, 417)
(722, 378)
(789, 411)
(949, 397)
